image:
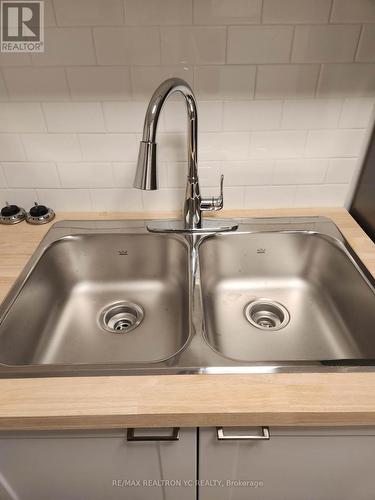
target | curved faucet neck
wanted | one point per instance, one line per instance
(162, 93)
(146, 175)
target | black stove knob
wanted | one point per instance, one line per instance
(38, 211)
(10, 210)
(40, 214)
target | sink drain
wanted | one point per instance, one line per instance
(267, 314)
(121, 317)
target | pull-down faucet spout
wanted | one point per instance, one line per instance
(146, 175)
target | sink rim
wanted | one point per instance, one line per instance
(196, 356)
(338, 240)
(59, 232)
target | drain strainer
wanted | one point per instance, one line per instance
(267, 314)
(121, 317)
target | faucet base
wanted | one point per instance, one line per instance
(179, 226)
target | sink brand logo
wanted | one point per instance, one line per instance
(22, 26)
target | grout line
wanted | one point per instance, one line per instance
(330, 14)
(360, 37)
(53, 8)
(261, 11)
(123, 9)
(2, 77)
(160, 47)
(41, 104)
(90, 198)
(343, 100)
(58, 174)
(254, 93)
(105, 121)
(94, 45)
(67, 84)
(326, 172)
(318, 80)
(292, 44)
(23, 146)
(168, 65)
(4, 177)
(226, 44)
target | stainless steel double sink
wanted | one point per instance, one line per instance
(280, 294)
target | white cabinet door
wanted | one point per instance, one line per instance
(295, 464)
(100, 465)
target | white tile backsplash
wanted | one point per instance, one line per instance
(259, 44)
(328, 195)
(224, 146)
(3, 183)
(49, 13)
(193, 45)
(296, 11)
(3, 90)
(127, 46)
(123, 174)
(95, 83)
(225, 82)
(276, 196)
(341, 170)
(24, 197)
(116, 200)
(162, 199)
(86, 175)
(234, 196)
(252, 115)
(285, 89)
(366, 48)
(250, 172)
(357, 112)
(65, 200)
(172, 147)
(19, 59)
(311, 114)
(145, 79)
(31, 175)
(210, 116)
(11, 148)
(66, 47)
(334, 143)
(89, 12)
(74, 117)
(124, 116)
(227, 11)
(21, 117)
(287, 81)
(301, 171)
(36, 84)
(158, 12)
(278, 144)
(108, 147)
(51, 147)
(353, 11)
(344, 80)
(325, 43)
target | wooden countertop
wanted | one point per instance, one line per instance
(182, 400)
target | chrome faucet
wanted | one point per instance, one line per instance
(146, 175)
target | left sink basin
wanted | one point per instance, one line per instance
(99, 298)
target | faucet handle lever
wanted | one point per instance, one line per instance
(213, 203)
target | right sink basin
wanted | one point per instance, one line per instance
(285, 296)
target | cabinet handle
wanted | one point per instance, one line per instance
(222, 437)
(175, 436)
